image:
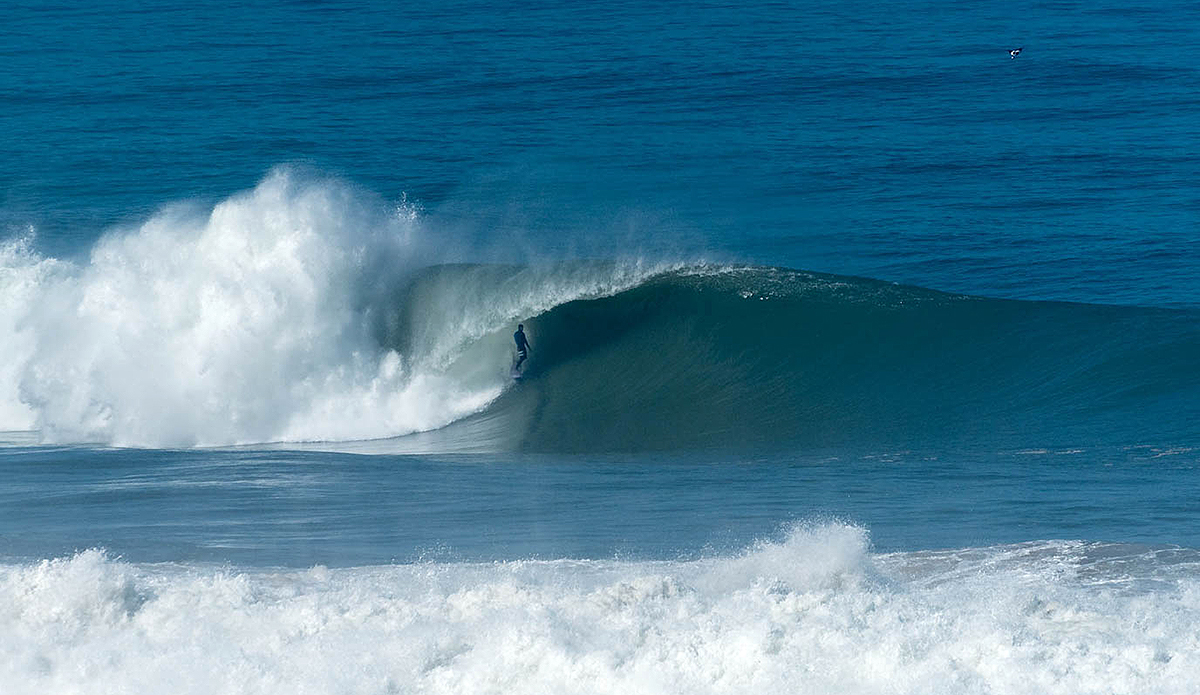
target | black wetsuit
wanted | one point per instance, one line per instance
(522, 347)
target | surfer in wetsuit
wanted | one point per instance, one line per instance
(522, 345)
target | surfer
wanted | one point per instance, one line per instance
(522, 345)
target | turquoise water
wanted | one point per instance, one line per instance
(864, 356)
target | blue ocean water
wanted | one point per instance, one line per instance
(865, 357)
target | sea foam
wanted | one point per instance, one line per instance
(262, 318)
(814, 612)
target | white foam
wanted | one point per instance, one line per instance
(253, 321)
(814, 613)
(22, 274)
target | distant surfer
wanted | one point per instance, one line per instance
(522, 345)
(1016, 52)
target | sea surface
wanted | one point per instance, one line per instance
(865, 357)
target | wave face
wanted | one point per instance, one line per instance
(763, 357)
(305, 311)
(812, 612)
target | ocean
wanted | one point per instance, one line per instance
(865, 357)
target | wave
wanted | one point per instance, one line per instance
(305, 311)
(739, 358)
(814, 611)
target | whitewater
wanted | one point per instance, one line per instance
(264, 318)
(812, 612)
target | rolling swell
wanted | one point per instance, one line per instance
(769, 358)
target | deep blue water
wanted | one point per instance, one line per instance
(889, 140)
(844, 323)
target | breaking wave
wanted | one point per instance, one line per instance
(268, 317)
(305, 311)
